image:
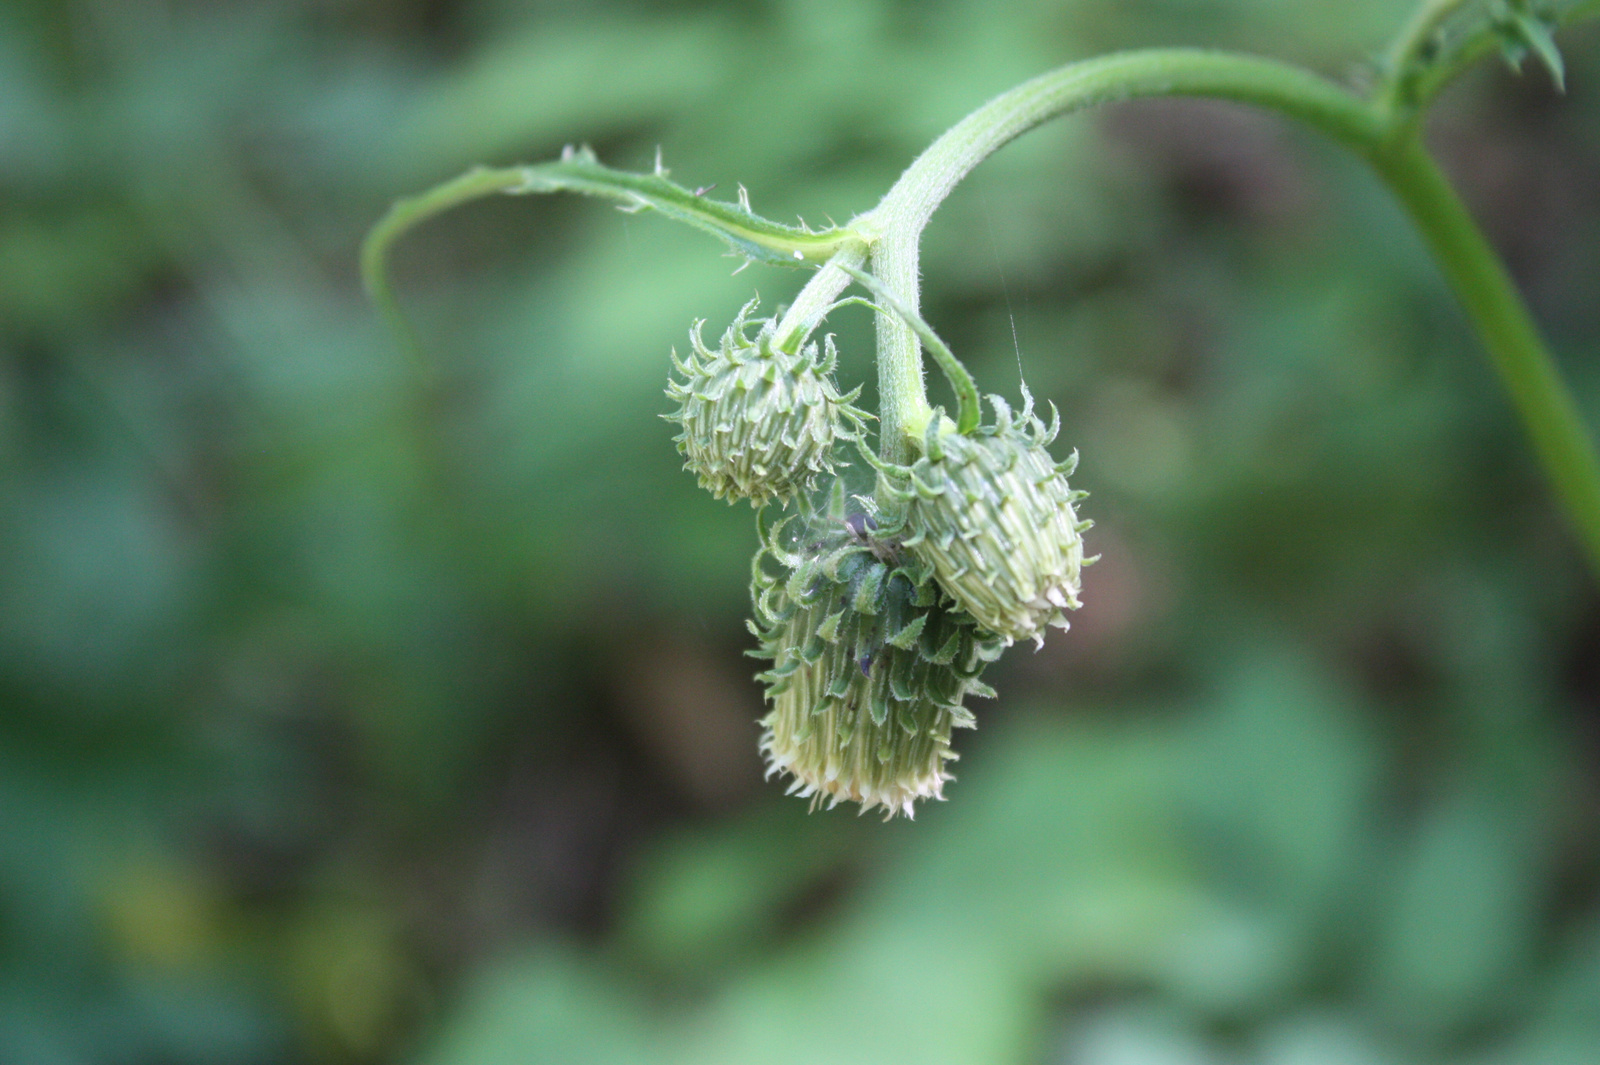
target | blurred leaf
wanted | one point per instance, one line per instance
(313, 689)
(535, 88)
(704, 901)
(1463, 916)
(1281, 782)
(548, 1007)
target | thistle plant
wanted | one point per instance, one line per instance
(760, 423)
(870, 661)
(878, 610)
(992, 514)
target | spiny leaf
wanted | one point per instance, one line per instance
(1521, 31)
(1537, 36)
(746, 233)
(906, 638)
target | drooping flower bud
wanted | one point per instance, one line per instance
(759, 423)
(993, 516)
(869, 669)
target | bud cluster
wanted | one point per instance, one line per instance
(878, 613)
(759, 423)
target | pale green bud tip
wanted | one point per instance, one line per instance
(993, 516)
(868, 672)
(759, 423)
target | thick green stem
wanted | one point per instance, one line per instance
(1384, 132)
(903, 410)
(1386, 138)
(897, 222)
(1546, 406)
(966, 390)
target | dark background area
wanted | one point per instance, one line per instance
(334, 733)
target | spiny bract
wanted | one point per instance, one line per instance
(869, 668)
(992, 515)
(759, 423)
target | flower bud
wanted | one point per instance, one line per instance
(868, 671)
(992, 515)
(759, 423)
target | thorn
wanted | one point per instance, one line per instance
(661, 170)
(567, 153)
(744, 199)
(742, 265)
(703, 189)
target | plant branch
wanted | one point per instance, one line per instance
(1437, 43)
(402, 216)
(897, 222)
(967, 411)
(748, 235)
(816, 299)
(1550, 416)
(1384, 137)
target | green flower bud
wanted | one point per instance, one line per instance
(868, 671)
(992, 515)
(759, 423)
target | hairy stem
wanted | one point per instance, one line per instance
(746, 234)
(815, 300)
(1384, 132)
(966, 390)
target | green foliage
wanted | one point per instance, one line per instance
(1176, 883)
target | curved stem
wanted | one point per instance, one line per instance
(897, 222)
(746, 233)
(1386, 139)
(401, 217)
(1548, 411)
(1384, 132)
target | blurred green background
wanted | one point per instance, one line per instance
(335, 733)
